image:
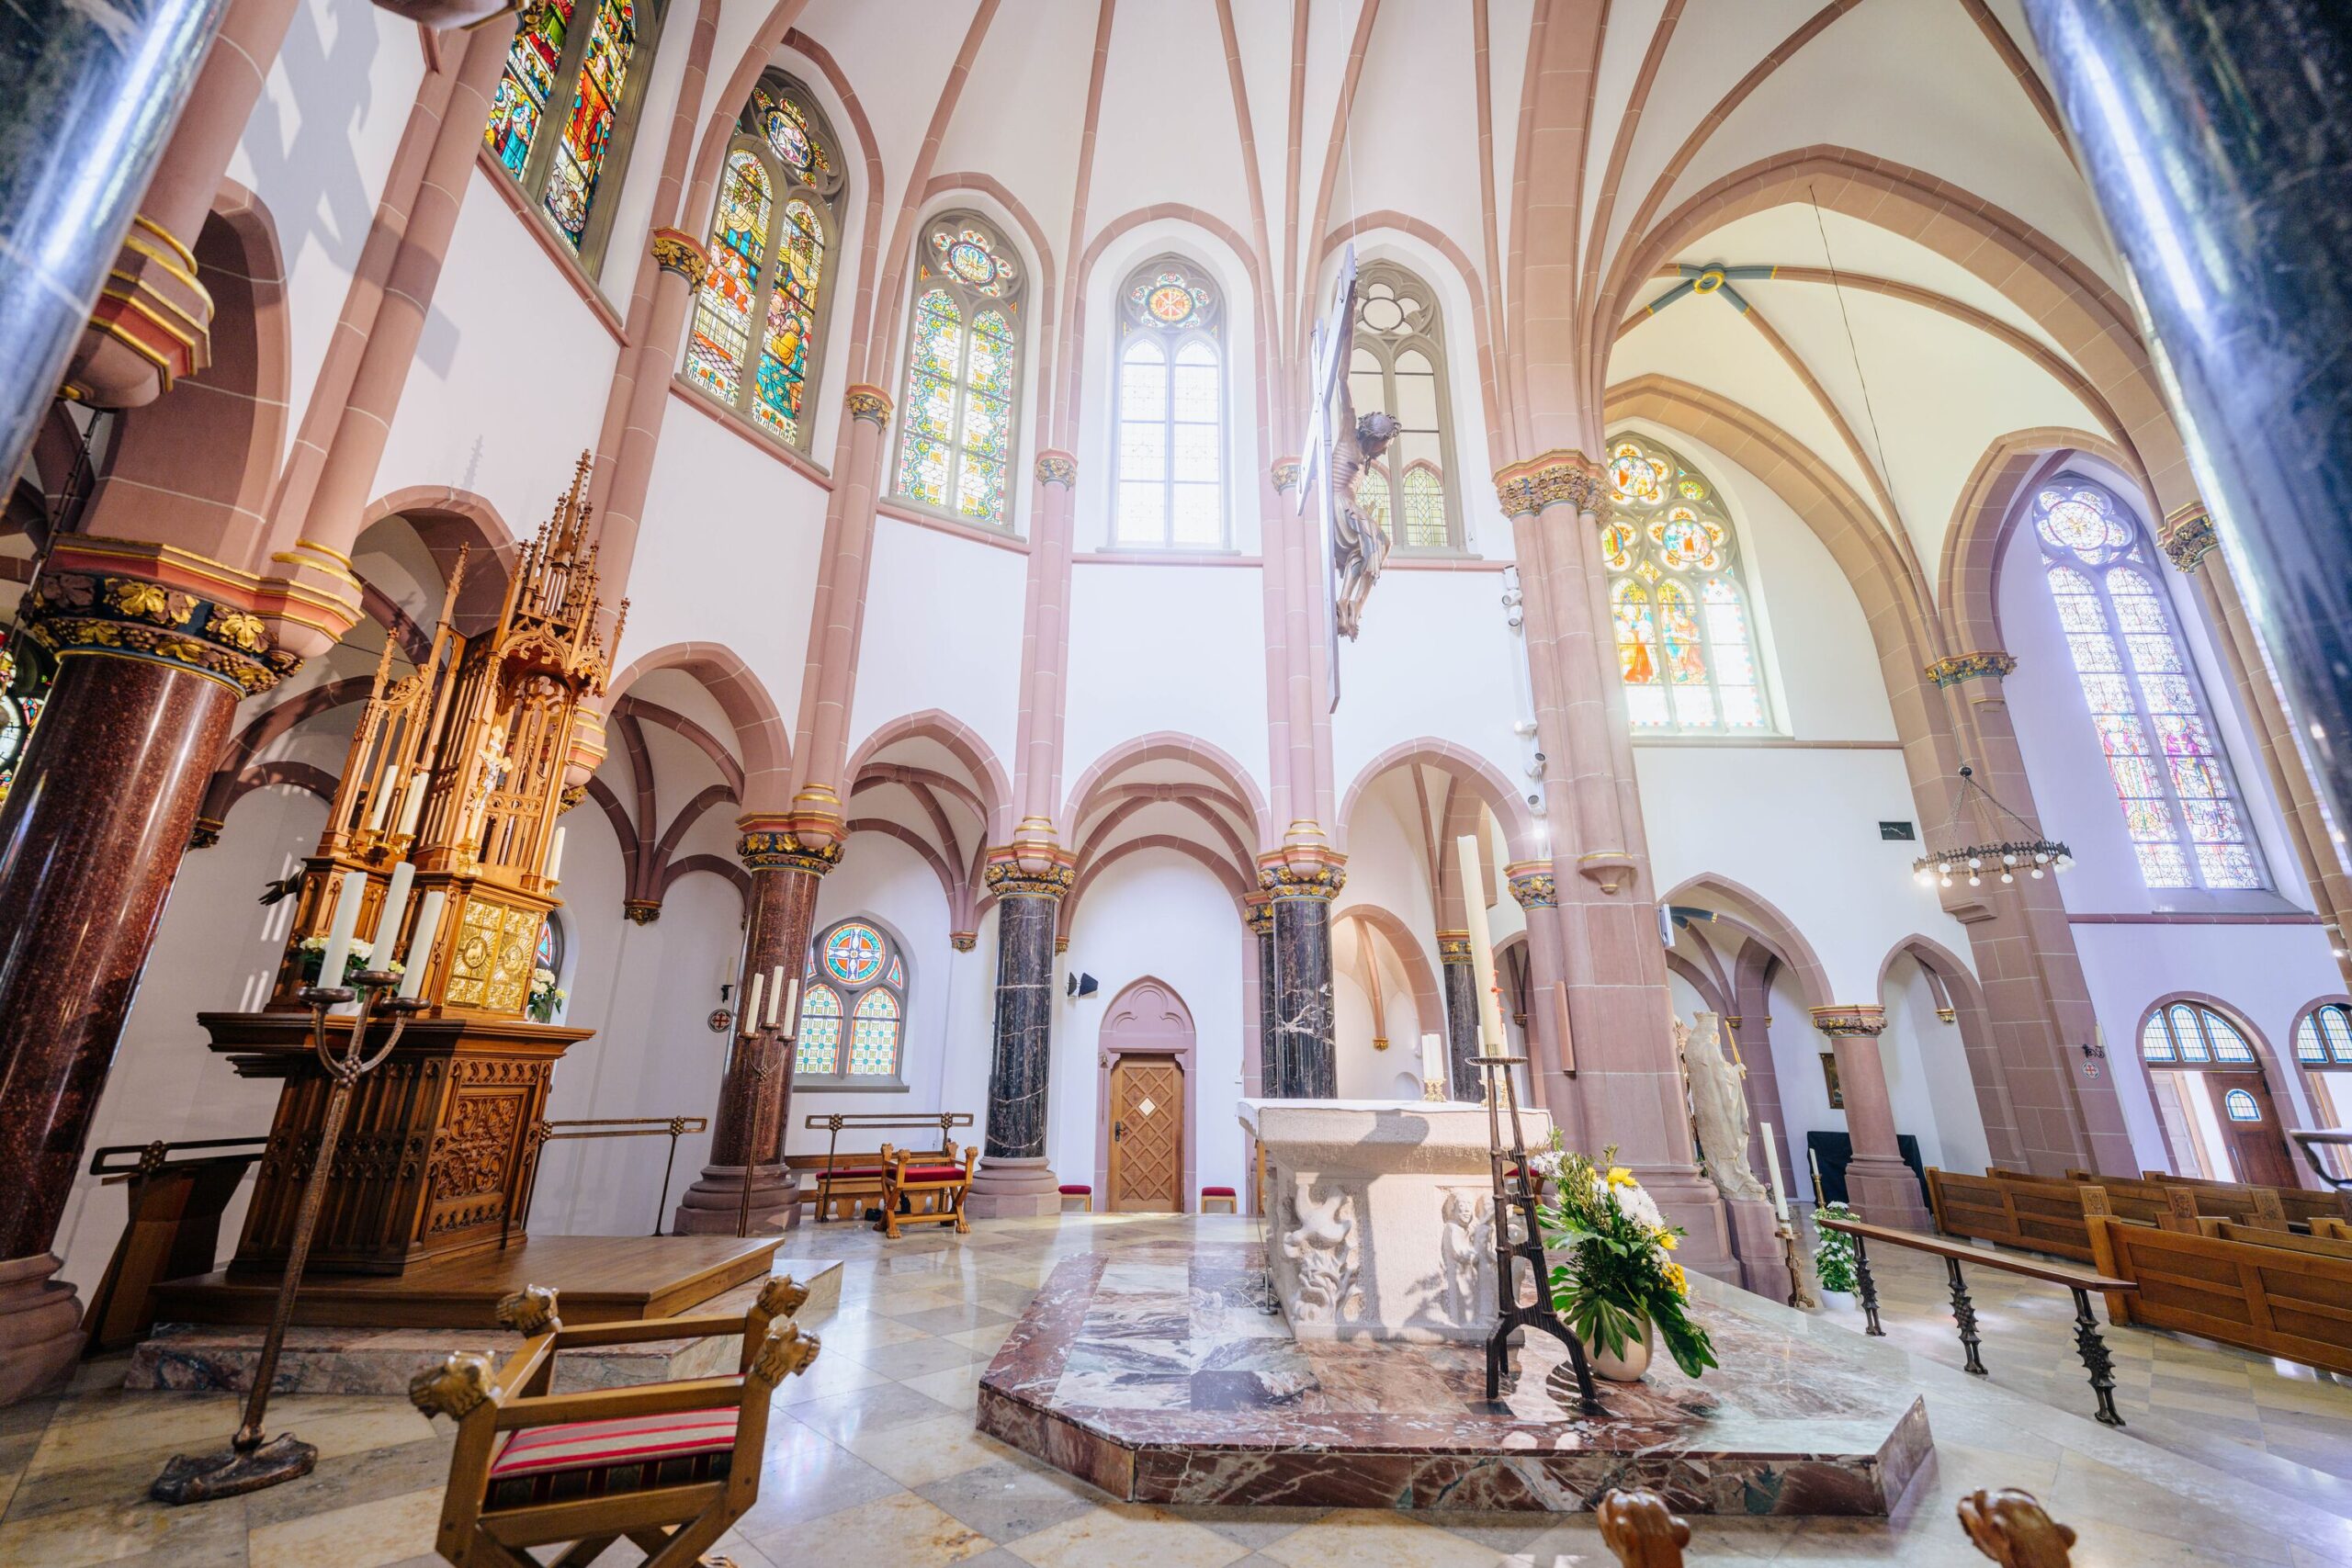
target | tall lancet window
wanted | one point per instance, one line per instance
(955, 431)
(565, 106)
(1686, 649)
(1171, 408)
(758, 314)
(2180, 803)
(1399, 366)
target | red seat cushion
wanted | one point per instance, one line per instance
(932, 1173)
(1217, 1191)
(597, 1459)
(840, 1171)
(1077, 1190)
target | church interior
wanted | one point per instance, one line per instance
(770, 794)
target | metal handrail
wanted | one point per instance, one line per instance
(872, 1122)
(676, 1127)
(2311, 1143)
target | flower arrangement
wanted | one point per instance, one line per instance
(357, 961)
(1620, 1278)
(546, 996)
(1833, 1259)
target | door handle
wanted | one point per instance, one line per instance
(1118, 1132)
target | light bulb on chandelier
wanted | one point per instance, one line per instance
(2032, 850)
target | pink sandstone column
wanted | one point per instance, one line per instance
(1878, 1185)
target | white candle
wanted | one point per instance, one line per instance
(752, 1006)
(555, 856)
(1433, 1059)
(1772, 1165)
(792, 1008)
(388, 923)
(1482, 949)
(420, 946)
(412, 805)
(775, 994)
(380, 807)
(344, 921)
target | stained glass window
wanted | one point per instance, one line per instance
(1171, 457)
(17, 715)
(2180, 803)
(1686, 652)
(2239, 1106)
(857, 981)
(758, 314)
(1398, 367)
(2192, 1034)
(570, 87)
(2324, 1039)
(955, 433)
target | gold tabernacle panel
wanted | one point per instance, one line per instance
(436, 1158)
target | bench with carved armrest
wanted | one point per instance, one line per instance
(667, 1466)
(928, 1185)
(848, 1185)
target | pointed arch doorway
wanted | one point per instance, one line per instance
(1145, 1119)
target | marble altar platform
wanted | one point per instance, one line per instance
(1382, 1214)
(327, 1360)
(1156, 1375)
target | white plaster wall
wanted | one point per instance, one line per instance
(943, 630)
(316, 151)
(1434, 660)
(1159, 914)
(1165, 648)
(1926, 1076)
(1796, 1048)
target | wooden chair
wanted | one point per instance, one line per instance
(1079, 1191)
(669, 1466)
(928, 1185)
(1225, 1195)
(2011, 1528)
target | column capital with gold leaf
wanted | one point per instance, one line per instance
(1533, 886)
(127, 599)
(771, 843)
(1258, 914)
(1562, 477)
(1285, 473)
(1306, 867)
(676, 251)
(869, 403)
(1985, 664)
(2188, 536)
(151, 324)
(1850, 1018)
(1056, 468)
(1454, 947)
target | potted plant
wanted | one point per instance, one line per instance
(546, 996)
(312, 952)
(1617, 1286)
(1833, 1259)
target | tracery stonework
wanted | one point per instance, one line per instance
(1560, 476)
(1961, 667)
(2188, 536)
(1850, 1019)
(871, 404)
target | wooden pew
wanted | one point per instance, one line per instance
(2300, 1206)
(2153, 1199)
(2009, 1210)
(2278, 1296)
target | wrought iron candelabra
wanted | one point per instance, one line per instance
(1514, 1196)
(248, 1463)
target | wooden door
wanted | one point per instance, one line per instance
(1147, 1135)
(2250, 1126)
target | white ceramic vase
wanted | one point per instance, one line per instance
(1629, 1366)
(1838, 1300)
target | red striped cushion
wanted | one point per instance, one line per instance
(579, 1444)
(933, 1173)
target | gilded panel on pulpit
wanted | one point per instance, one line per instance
(491, 969)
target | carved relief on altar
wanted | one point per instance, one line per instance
(1466, 1256)
(491, 966)
(1320, 1244)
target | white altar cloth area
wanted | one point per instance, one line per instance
(1380, 1215)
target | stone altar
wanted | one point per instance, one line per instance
(1381, 1216)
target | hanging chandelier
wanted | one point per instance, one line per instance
(1977, 811)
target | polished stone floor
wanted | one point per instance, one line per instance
(875, 1461)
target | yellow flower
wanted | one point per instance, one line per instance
(1678, 1279)
(1668, 1240)
(1620, 1177)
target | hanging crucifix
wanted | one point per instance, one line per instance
(1338, 446)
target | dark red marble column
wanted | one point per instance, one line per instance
(754, 1108)
(93, 828)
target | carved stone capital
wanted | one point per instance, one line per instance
(1856, 1017)
(1258, 914)
(1612, 869)
(1561, 477)
(676, 251)
(780, 848)
(871, 404)
(1061, 945)
(1533, 885)
(1961, 667)
(1030, 871)
(963, 941)
(1057, 469)
(642, 911)
(1454, 947)
(75, 612)
(205, 833)
(2188, 536)
(1285, 474)
(1301, 871)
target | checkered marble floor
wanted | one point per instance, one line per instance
(873, 1463)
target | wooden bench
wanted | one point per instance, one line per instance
(848, 1185)
(2027, 1212)
(2268, 1291)
(2179, 1203)
(2297, 1207)
(925, 1188)
(2081, 1281)
(667, 1466)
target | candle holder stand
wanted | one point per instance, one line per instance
(1802, 1294)
(1514, 1199)
(756, 1117)
(248, 1463)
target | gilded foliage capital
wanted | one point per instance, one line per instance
(871, 404)
(1558, 477)
(2188, 536)
(1850, 1018)
(677, 251)
(73, 613)
(1961, 667)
